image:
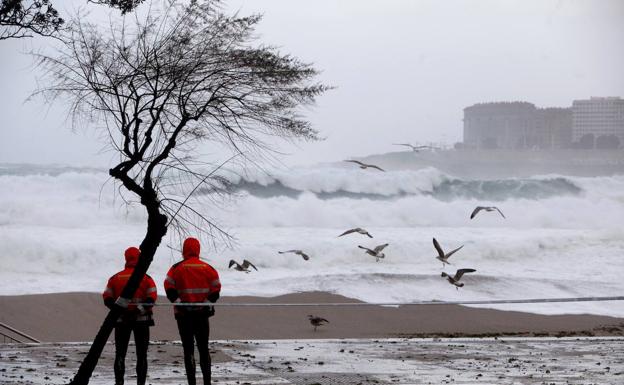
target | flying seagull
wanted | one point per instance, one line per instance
(414, 148)
(358, 230)
(376, 252)
(454, 280)
(441, 255)
(298, 252)
(364, 166)
(486, 208)
(317, 321)
(242, 267)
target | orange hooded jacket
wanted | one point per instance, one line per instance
(145, 293)
(192, 280)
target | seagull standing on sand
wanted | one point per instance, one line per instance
(486, 208)
(242, 267)
(317, 321)
(358, 230)
(441, 255)
(376, 252)
(364, 166)
(454, 280)
(298, 252)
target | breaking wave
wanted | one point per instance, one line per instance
(560, 234)
(332, 183)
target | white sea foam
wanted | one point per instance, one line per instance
(62, 232)
(333, 178)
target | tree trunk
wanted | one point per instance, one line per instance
(156, 230)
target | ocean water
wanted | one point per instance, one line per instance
(65, 229)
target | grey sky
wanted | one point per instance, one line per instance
(404, 70)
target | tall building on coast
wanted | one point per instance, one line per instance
(516, 125)
(599, 116)
(553, 127)
(595, 122)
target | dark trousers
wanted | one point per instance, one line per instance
(195, 328)
(141, 340)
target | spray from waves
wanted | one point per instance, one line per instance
(393, 199)
(423, 211)
(17, 169)
(66, 199)
(333, 183)
(563, 245)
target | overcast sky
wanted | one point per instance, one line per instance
(404, 70)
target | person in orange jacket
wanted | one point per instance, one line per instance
(136, 319)
(193, 281)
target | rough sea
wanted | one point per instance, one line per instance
(65, 229)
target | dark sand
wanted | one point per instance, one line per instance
(77, 317)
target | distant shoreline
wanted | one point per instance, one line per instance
(470, 163)
(75, 317)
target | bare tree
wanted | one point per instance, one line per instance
(159, 87)
(25, 18)
(124, 6)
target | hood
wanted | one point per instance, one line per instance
(190, 248)
(132, 256)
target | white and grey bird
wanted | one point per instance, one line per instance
(442, 256)
(298, 252)
(364, 166)
(358, 230)
(242, 266)
(376, 252)
(317, 321)
(454, 280)
(486, 208)
(414, 148)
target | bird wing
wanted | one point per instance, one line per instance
(323, 319)
(288, 251)
(365, 248)
(500, 212)
(377, 167)
(461, 272)
(454, 251)
(246, 264)
(348, 232)
(404, 144)
(438, 248)
(355, 161)
(363, 232)
(476, 211)
(232, 263)
(380, 247)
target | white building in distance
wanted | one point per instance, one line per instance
(600, 116)
(516, 125)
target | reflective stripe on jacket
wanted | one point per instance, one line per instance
(194, 280)
(146, 290)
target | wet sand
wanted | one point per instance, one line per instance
(578, 360)
(76, 317)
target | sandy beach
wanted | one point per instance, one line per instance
(505, 360)
(74, 317)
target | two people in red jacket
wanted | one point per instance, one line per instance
(189, 281)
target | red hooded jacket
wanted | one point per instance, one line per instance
(192, 280)
(145, 293)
